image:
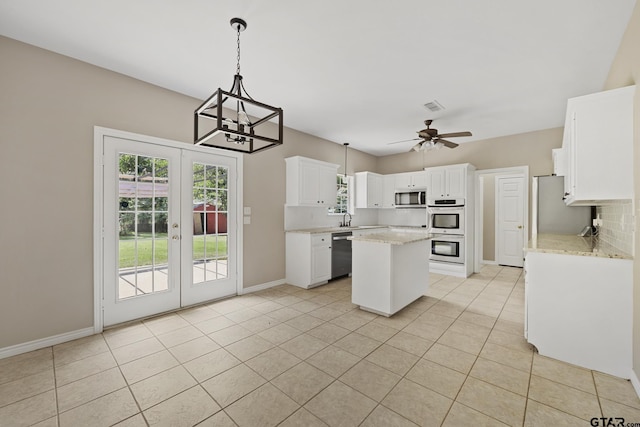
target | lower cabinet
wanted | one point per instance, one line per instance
(579, 309)
(308, 259)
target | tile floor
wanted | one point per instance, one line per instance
(293, 357)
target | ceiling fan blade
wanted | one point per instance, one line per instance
(404, 140)
(448, 144)
(454, 134)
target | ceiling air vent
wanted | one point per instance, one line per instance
(434, 106)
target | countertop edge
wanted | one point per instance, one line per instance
(574, 245)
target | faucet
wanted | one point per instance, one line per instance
(344, 222)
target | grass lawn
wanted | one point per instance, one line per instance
(146, 246)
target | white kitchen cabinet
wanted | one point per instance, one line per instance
(411, 180)
(310, 182)
(308, 259)
(559, 162)
(389, 191)
(368, 190)
(598, 143)
(448, 181)
(579, 309)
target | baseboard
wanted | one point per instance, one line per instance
(635, 382)
(45, 342)
(262, 286)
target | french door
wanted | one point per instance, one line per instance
(169, 228)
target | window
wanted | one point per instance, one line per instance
(342, 196)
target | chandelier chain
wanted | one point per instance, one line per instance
(238, 66)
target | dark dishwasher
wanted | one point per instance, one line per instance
(340, 254)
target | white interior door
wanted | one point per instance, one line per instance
(169, 228)
(510, 220)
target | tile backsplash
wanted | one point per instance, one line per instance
(617, 225)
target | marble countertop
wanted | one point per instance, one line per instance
(393, 237)
(570, 244)
(320, 230)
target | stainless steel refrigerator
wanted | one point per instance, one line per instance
(550, 214)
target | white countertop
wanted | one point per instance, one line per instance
(570, 244)
(393, 237)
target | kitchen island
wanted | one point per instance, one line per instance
(390, 270)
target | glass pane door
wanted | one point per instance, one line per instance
(209, 239)
(210, 213)
(141, 229)
(143, 194)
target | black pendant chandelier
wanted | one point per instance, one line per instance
(233, 120)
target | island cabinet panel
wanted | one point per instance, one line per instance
(388, 277)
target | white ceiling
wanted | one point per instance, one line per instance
(356, 71)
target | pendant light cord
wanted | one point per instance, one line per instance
(346, 147)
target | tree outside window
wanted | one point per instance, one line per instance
(342, 196)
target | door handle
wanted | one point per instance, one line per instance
(176, 237)
(519, 226)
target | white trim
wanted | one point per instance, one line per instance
(45, 342)
(98, 200)
(517, 170)
(487, 261)
(262, 286)
(98, 195)
(635, 382)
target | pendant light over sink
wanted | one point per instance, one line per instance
(233, 120)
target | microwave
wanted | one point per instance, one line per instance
(411, 199)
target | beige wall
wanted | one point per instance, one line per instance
(48, 108)
(489, 218)
(625, 71)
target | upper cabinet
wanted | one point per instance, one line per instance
(369, 187)
(310, 182)
(389, 191)
(411, 180)
(448, 181)
(598, 147)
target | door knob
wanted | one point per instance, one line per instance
(519, 226)
(175, 225)
(176, 237)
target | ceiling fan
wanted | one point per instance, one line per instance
(430, 139)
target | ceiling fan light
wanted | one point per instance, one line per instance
(417, 147)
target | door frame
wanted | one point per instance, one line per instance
(479, 207)
(99, 133)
